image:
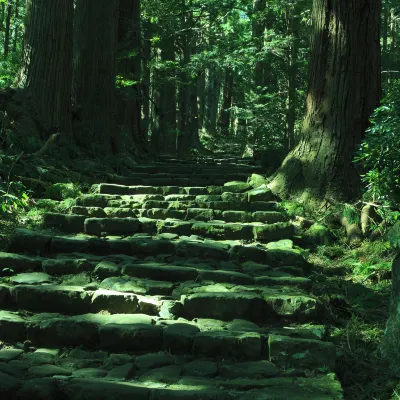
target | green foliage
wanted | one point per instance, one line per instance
(351, 214)
(380, 151)
(13, 196)
(293, 209)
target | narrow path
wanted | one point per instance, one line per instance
(180, 281)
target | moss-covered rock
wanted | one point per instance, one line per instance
(318, 234)
(62, 191)
(257, 180)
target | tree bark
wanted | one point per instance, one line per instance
(183, 139)
(168, 97)
(201, 91)
(94, 73)
(344, 89)
(7, 31)
(129, 66)
(258, 28)
(225, 113)
(16, 28)
(385, 26)
(293, 31)
(48, 36)
(146, 79)
(213, 89)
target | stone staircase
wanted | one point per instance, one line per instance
(180, 281)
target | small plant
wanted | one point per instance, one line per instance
(13, 196)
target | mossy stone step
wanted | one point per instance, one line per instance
(301, 353)
(34, 243)
(169, 273)
(123, 190)
(219, 302)
(198, 214)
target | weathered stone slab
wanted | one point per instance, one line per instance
(114, 302)
(49, 298)
(225, 306)
(131, 337)
(66, 266)
(29, 242)
(111, 226)
(222, 231)
(12, 326)
(178, 338)
(91, 212)
(65, 331)
(169, 273)
(18, 263)
(63, 222)
(301, 353)
(227, 344)
(31, 278)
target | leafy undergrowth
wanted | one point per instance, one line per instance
(355, 283)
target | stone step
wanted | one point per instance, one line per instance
(110, 189)
(77, 374)
(71, 300)
(130, 226)
(24, 241)
(198, 214)
(144, 333)
(264, 306)
(151, 277)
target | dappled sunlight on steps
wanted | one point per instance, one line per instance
(180, 281)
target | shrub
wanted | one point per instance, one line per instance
(380, 151)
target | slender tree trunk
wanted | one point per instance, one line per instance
(129, 38)
(168, 97)
(7, 31)
(48, 84)
(157, 112)
(184, 107)
(385, 27)
(258, 28)
(201, 91)
(213, 89)
(241, 131)
(184, 133)
(393, 28)
(225, 113)
(344, 89)
(16, 28)
(94, 73)
(2, 15)
(293, 31)
(146, 79)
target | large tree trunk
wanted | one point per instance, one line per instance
(344, 89)
(48, 84)
(94, 73)
(129, 66)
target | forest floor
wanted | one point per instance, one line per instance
(352, 282)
